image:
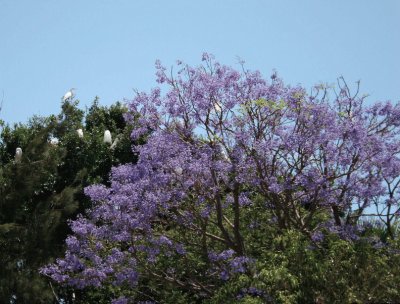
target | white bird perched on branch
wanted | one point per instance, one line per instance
(80, 133)
(107, 137)
(18, 155)
(225, 154)
(54, 141)
(178, 170)
(217, 108)
(115, 143)
(69, 95)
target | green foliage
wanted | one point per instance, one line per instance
(289, 267)
(39, 194)
(293, 269)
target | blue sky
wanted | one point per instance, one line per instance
(108, 48)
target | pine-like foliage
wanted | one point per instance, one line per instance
(39, 194)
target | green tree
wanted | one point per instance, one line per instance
(40, 193)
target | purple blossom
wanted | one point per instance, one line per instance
(224, 275)
(97, 192)
(224, 255)
(317, 237)
(254, 292)
(238, 264)
(120, 300)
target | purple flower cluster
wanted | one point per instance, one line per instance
(120, 300)
(255, 292)
(346, 232)
(317, 237)
(227, 264)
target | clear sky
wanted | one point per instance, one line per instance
(108, 48)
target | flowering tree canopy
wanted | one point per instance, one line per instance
(221, 142)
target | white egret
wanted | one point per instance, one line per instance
(80, 133)
(18, 155)
(69, 95)
(217, 108)
(115, 143)
(54, 141)
(225, 154)
(178, 170)
(107, 137)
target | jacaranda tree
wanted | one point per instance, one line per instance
(230, 154)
